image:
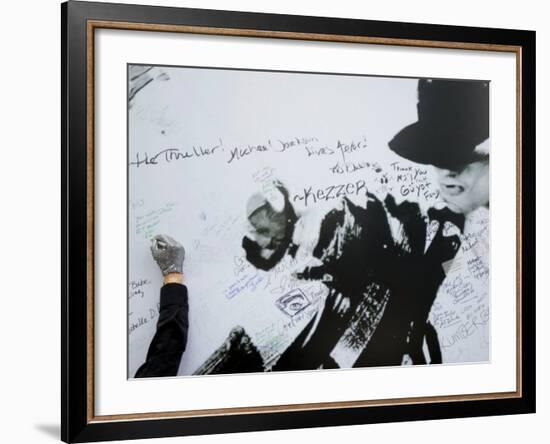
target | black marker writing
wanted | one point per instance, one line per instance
(311, 196)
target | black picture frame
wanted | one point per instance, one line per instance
(78, 423)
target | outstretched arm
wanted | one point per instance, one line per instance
(168, 344)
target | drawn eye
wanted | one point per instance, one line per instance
(297, 299)
(296, 305)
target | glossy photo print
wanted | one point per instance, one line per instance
(282, 221)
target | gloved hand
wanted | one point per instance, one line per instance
(168, 254)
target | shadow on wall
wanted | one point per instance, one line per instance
(51, 430)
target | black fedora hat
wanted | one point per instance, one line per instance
(453, 118)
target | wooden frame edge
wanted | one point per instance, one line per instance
(91, 25)
(303, 407)
(235, 32)
(90, 208)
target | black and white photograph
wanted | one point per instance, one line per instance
(233, 221)
(286, 221)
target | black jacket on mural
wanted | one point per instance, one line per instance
(413, 270)
(379, 257)
(170, 340)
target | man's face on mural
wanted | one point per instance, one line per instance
(467, 188)
(269, 227)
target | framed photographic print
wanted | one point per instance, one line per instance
(275, 221)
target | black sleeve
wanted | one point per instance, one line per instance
(168, 344)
